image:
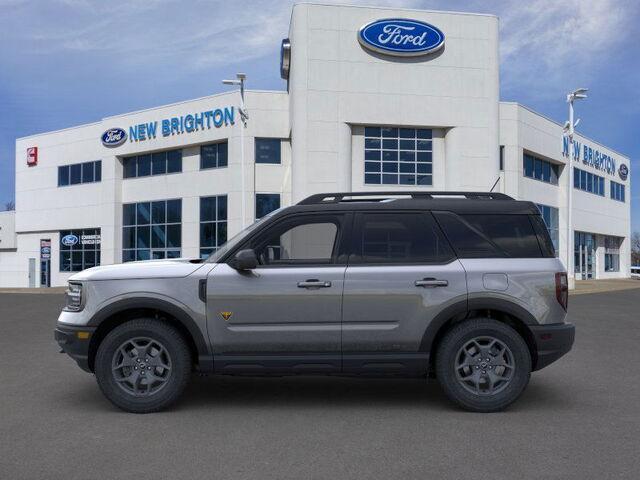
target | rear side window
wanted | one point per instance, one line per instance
(491, 236)
(544, 239)
(398, 238)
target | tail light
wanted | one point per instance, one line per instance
(562, 289)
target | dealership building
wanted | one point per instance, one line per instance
(376, 99)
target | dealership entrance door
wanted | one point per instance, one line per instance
(584, 255)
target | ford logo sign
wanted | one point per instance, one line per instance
(114, 137)
(401, 37)
(623, 171)
(69, 240)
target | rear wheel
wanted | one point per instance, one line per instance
(143, 365)
(483, 365)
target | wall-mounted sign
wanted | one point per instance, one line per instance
(114, 137)
(69, 240)
(623, 171)
(45, 249)
(401, 37)
(32, 156)
(589, 156)
(285, 58)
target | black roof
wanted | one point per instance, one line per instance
(457, 202)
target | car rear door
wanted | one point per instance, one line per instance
(285, 314)
(402, 273)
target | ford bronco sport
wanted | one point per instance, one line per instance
(464, 287)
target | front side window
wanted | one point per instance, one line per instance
(308, 240)
(213, 224)
(151, 230)
(539, 169)
(159, 163)
(400, 238)
(87, 172)
(398, 156)
(214, 155)
(268, 150)
(266, 203)
(79, 249)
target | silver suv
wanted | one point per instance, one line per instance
(464, 287)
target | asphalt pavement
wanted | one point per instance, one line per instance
(578, 419)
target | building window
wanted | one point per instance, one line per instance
(550, 217)
(88, 172)
(213, 155)
(268, 150)
(151, 230)
(611, 254)
(588, 182)
(159, 163)
(617, 191)
(397, 156)
(539, 169)
(79, 249)
(501, 161)
(213, 224)
(266, 203)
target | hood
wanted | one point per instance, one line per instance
(174, 268)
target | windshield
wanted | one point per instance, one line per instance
(238, 238)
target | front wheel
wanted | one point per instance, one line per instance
(143, 365)
(483, 365)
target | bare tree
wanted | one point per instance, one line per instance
(10, 205)
(635, 248)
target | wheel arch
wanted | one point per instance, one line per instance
(121, 311)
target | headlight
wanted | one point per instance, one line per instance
(74, 297)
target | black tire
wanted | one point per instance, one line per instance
(169, 380)
(451, 375)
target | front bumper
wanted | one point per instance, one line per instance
(552, 342)
(75, 341)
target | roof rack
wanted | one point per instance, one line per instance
(378, 196)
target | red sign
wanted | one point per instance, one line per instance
(32, 156)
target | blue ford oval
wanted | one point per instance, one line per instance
(114, 137)
(69, 240)
(401, 37)
(623, 171)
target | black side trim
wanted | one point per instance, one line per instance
(312, 363)
(552, 342)
(386, 363)
(205, 359)
(504, 306)
(76, 348)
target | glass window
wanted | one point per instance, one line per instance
(98, 171)
(266, 203)
(612, 254)
(399, 238)
(158, 163)
(151, 230)
(75, 174)
(213, 224)
(87, 172)
(513, 234)
(79, 249)
(617, 191)
(550, 217)
(213, 155)
(398, 156)
(268, 150)
(588, 182)
(63, 176)
(539, 169)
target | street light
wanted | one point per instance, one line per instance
(577, 94)
(244, 116)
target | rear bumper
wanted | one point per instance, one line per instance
(552, 342)
(75, 345)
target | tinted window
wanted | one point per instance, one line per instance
(399, 238)
(63, 176)
(267, 150)
(467, 241)
(213, 156)
(76, 174)
(266, 203)
(513, 234)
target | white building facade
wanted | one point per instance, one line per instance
(168, 181)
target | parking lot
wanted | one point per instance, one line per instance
(579, 418)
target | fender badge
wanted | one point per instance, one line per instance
(226, 315)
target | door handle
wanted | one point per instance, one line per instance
(313, 283)
(431, 283)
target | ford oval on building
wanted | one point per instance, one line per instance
(114, 137)
(401, 37)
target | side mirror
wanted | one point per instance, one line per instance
(244, 260)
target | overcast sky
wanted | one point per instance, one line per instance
(68, 62)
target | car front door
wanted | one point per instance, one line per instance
(285, 314)
(402, 273)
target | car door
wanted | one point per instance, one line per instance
(285, 314)
(402, 273)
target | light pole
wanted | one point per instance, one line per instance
(577, 94)
(244, 116)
